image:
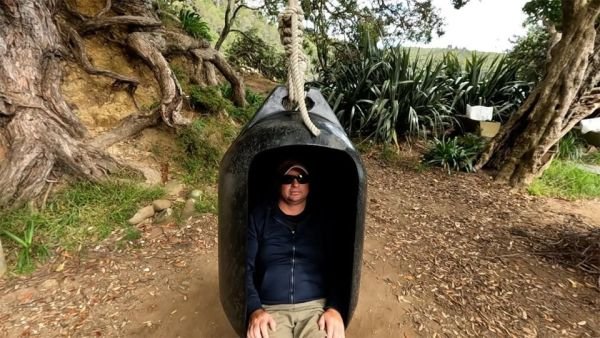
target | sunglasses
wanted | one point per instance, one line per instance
(288, 179)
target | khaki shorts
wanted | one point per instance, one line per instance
(297, 320)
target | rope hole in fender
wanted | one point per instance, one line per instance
(291, 106)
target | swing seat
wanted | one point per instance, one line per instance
(338, 184)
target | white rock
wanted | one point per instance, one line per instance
(195, 194)
(160, 205)
(142, 214)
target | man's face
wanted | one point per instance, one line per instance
(294, 193)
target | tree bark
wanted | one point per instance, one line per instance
(527, 142)
(42, 131)
(39, 133)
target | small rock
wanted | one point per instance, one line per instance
(160, 205)
(195, 193)
(174, 188)
(165, 216)
(48, 285)
(141, 215)
(189, 209)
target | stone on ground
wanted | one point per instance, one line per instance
(189, 209)
(141, 215)
(160, 205)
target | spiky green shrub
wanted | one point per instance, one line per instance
(349, 85)
(454, 153)
(208, 99)
(485, 82)
(571, 147)
(192, 23)
(411, 99)
(393, 92)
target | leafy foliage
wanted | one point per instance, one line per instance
(251, 51)
(455, 153)
(531, 52)
(208, 99)
(254, 102)
(192, 23)
(199, 157)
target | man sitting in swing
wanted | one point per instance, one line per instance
(290, 292)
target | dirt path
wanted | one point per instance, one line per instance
(444, 256)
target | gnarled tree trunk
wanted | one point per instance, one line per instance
(41, 130)
(526, 143)
(39, 133)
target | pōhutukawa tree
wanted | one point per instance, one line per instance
(39, 133)
(567, 93)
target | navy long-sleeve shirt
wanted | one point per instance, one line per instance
(286, 260)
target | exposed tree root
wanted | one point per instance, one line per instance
(127, 127)
(145, 45)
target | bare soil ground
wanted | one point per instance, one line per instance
(445, 255)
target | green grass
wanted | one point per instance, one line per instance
(79, 216)
(202, 145)
(208, 99)
(207, 203)
(243, 115)
(564, 179)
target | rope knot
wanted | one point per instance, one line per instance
(290, 32)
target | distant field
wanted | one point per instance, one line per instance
(438, 53)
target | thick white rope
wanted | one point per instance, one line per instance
(290, 32)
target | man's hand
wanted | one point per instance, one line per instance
(260, 322)
(333, 324)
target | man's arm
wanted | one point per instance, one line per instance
(252, 298)
(259, 321)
